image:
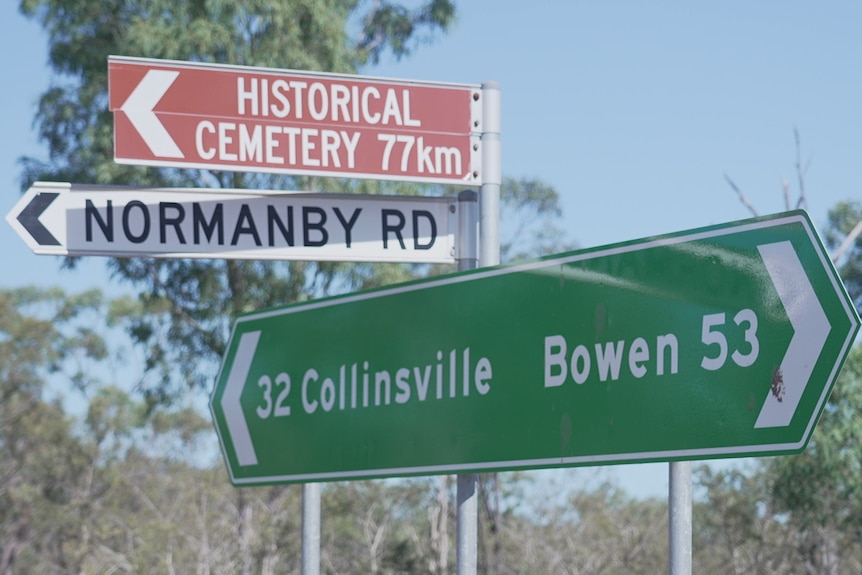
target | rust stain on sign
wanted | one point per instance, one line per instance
(777, 385)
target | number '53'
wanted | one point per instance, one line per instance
(712, 336)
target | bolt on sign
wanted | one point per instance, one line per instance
(717, 342)
(212, 116)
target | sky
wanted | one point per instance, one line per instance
(633, 111)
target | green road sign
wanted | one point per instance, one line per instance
(718, 342)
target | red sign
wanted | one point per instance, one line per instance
(191, 115)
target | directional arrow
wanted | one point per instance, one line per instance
(139, 109)
(718, 342)
(810, 331)
(39, 219)
(236, 424)
(29, 219)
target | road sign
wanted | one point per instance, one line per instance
(190, 114)
(73, 219)
(719, 342)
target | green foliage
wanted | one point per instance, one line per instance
(737, 529)
(73, 117)
(88, 494)
(843, 218)
(823, 485)
(529, 210)
(39, 334)
(792, 514)
(396, 26)
(186, 307)
(600, 530)
(43, 334)
(374, 527)
(117, 489)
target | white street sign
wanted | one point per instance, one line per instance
(73, 219)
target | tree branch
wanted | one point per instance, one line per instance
(800, 171)
(742, 197)
(851, 237)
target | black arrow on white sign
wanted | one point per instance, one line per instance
(29, 218)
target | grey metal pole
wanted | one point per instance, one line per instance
(466, 538)
(680, 518)
(492, 177)
(468, 230)
(311, 529)
(489, 255)
(468, 522)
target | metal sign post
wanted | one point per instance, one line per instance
(310, 528)
(679, 508)
(489, 255)
(466, 544)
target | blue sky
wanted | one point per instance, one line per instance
(633, 111)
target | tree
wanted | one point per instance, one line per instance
(191, 303)
(186, 307)
(812, 500)
(792, 513)
(377, 527)
(842, 237)
(529, 210)
(593, 531)
(51, 468)
(88, 484)
(737, 529)
(821, 488)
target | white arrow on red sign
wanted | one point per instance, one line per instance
(139, 106)
(193, 115)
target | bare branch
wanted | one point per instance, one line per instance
(851, 237)
(742, 197)
(800, 171)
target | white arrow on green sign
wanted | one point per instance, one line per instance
(718, 342)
